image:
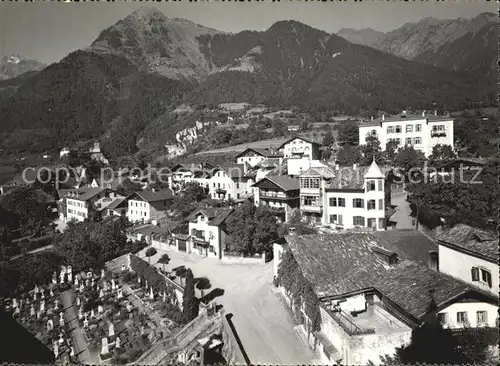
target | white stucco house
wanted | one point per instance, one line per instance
(423, 131)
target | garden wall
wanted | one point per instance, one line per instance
(232, 350)
(239, 259)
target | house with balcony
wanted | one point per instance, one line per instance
(253, 156)
(300, 147)
(147, 206)
(422, 131)
(279, 192)
(373, 290)
(470, 255)
(356, 198)
(312, 192)
(80, 202)
(208, 232)
(230, 181)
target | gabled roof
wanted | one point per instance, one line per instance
(300, 138)
(232, 170)
(283, 181)
(115, 203)
(321, 171)
(267, 153)
(472, 241)
(215, 215)
(339, 264)
(150, 196)
(350, 178)
(83, 194)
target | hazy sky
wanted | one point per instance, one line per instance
(48, 31)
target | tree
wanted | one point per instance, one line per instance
(296, 222)
(348, 133)
(328, 140)
(348, 155)
(150, 252)
(164, 259)
(202, 283)
(280, 128)
(180, 272)
(251, 229)
(390, 152)
(407, 158)
(88, 245)
(304, 126)
(189, 300)
(442, 153)
(371, 149)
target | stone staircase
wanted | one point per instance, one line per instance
(184, 340)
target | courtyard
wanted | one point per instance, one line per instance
(262, 322)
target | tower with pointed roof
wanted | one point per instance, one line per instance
(374, 187)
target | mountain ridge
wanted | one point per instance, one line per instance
(114, 90)
(13, 65)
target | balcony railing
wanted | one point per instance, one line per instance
(220, 191)
(277, 196)
(311, 208)
(437, 133)
(348, 325)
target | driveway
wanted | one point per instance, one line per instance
(263, 324)
(402, 215)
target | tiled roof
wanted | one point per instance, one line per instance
(350, 178)
(84, 194)
(233, 170)
(115, 203)
(216, 215)
(265, 152)
(339, 264)
(408, 116)
(322, 171)
(283, 181)
(301, 138)
(150, 196)
(471, 240)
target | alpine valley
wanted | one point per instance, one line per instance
(138, 70)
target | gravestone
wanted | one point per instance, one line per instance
(70, 277)
(72, 352)
(14, 303)
(151, 294)
(51, 293)
(85, 323)
(111, 330)
(80, 313)
(100, 309)
(78, 301)
(101, 294)
(118, 342)
(56, 304)
(37, 290)
(56, 350)
(32, 311)
(104, 346)
(102, 273)
(61, 339)
(42, 306)
(92, 313)
(50, 325)
(113, 284)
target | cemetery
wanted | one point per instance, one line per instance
(116, 315)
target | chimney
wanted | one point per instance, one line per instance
(435, 112)
(383, 117)
(423, 113)
(354, 166)
(433, 260)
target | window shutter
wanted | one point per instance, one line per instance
(488, 278)
(475, 273)
(381, 204)
(354, 202)
(339, 219)
(363, 203)
(380, 188)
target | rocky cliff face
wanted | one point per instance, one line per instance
(156, 43)
(12, 66)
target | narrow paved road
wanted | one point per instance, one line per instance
(402, 216)
(81, 348)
